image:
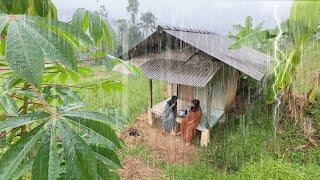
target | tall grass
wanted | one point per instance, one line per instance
(132, 99)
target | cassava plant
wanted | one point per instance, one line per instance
(44, 132)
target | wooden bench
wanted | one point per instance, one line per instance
(158, 109)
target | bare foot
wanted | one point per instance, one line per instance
(173, 133)
(187, 144)
(178, 133)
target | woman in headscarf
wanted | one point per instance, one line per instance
(170, 114)
(191, 122)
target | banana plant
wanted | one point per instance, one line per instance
(48, 134)
(287, 41)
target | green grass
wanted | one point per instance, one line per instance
(241, 148)
(132, 99)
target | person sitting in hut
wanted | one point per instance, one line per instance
(170, 114)
(191, 122)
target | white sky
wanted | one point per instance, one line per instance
(214, 15)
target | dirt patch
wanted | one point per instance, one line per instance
(163, 146)
(133, 168)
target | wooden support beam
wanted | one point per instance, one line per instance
(150, 94)
(150, 104)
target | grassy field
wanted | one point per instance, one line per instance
(242, 148)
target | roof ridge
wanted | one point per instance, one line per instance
(175, 28)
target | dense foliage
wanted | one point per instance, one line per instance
(44, 131)
(287, 43)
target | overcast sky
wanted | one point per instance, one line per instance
(213, 15)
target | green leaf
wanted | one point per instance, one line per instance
(9, 105)
(46, 163)
(80, 159)
(304, 20)
(103, 171)
(42, 7)
(26, 93)
(251, 39)
(99, 127)
(19, 6)
(52, 14)
(23, 169)
(107, 156)
(108, 86)
(14, 156)
(95, 28)
(70, 98)
(55, 48)
(14, 122)
(23, 53)
(11, 82)
(112, 118)
(81, 19)
(287, 69)
(64, 30)
(91, 136)
(5, 6)
(109, 36)
(3, 23)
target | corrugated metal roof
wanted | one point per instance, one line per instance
(246, 60)
(196, 70)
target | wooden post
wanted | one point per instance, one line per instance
(205, 137)
(150, 93)
(150, 114)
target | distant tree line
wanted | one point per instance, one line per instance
(130, 32)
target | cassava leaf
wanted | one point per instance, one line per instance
(22, 170)
(55, 48)
(46, 163)
(9, 105)
(80, 159)
(13, 157)
(92, 137)
(65, 30)
(18, 121)
(11, 82)
(107, 156)
(98, 127)
(112, 118)
(23, 53)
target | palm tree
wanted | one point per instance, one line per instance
(122, 26)
(133, 9)
(148, 23)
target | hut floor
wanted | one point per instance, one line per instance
(163, 146)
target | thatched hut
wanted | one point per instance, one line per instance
(196, 64)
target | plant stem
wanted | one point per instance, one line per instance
(24, 111)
